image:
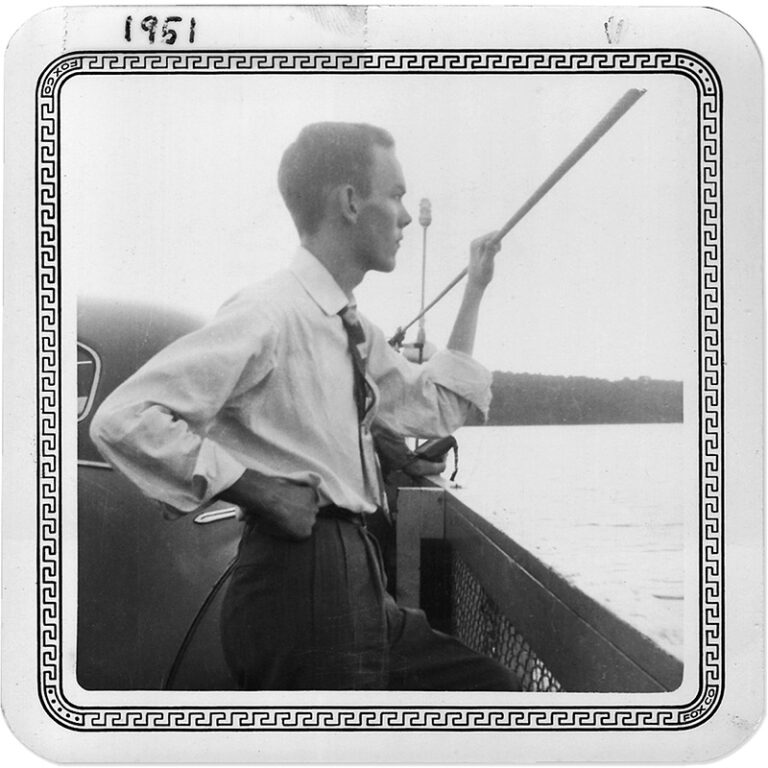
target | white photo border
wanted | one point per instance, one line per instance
(711, 671)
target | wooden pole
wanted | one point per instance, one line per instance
(620, 108)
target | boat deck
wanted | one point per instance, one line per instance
(587, 554)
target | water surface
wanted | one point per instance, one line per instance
(606, 506)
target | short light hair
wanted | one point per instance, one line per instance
(323, 156)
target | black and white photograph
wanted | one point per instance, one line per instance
(224, 187)
(374, 373)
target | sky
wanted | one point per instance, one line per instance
(170, 196)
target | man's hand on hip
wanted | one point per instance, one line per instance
(283, 508)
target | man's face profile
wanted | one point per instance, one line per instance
(382, 215)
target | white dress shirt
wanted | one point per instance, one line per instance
(267, 385)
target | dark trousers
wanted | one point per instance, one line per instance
(315, 615)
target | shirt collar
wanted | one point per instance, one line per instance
(318, 282)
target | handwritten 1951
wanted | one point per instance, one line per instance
(167, 33)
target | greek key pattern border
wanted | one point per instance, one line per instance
(633, 718)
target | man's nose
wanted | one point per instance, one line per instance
(405, 219)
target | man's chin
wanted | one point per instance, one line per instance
(385, 266)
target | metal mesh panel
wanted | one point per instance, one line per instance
(478, 623)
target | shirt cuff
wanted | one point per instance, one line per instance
(462, 375)
(215, 471)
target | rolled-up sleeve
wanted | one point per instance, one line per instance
(153, 427)
(429, 400)
(462, 375)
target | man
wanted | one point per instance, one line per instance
(270, 407)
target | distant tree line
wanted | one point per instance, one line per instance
(532, 398)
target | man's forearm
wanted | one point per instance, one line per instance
(479, 274)
(464, 329)
(242, 491)
(254, 491)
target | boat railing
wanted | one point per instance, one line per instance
(477, 583)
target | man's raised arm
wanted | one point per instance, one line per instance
(482, 253)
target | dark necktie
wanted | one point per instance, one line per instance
(355, 336)
(364, 401)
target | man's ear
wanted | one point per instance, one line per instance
(349, 202)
